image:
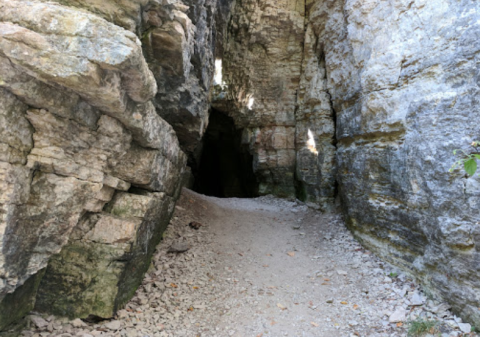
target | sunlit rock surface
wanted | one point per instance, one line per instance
(376, 95)
(403, 79)
(79, 128)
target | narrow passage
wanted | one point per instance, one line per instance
(261, 267)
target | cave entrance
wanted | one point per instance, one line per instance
(225, 168)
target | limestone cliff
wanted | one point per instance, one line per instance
(89, 169)
(403, 77)
(373, 96)
(103, 102)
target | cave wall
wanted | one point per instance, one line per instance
(262, 60)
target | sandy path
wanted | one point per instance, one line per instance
(261, 267)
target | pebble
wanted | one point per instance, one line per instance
(465, 327)
(113, 325)
(399, 315)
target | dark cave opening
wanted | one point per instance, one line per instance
(225, 168)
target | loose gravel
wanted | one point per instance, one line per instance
(264, 267)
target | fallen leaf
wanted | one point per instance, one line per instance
(326, 279)
(173, 285)
(343, 302)
(195, 287)
(240, 254)
(399, 324)
(314, 324)
(281, 306)
(260, 335)
(190, 309)
(355, 307)
(325, 284)
(292, 254)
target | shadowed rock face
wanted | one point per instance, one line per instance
(262, 68)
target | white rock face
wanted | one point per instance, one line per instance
(403, 78)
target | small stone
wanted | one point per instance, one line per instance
(77, 323)
(39, 322)
(195, 225)
(341, 272)
(330, 300)
(398, 315)
(113, 325)
(417, 299)
(465, 327)
(179, 247)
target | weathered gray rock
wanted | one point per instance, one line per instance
(106, 257)
(403, 78)
(76, 114)
(178, 43)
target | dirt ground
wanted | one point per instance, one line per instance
(264, 267)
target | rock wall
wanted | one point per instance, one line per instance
(403, 79)
(179, 44)
(382, 94)
(89, 170)
(262, 66)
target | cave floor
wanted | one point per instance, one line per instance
(259, 267)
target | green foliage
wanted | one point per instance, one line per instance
(467, 160)
(393, 275)
(420, 327)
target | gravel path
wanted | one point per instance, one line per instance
(263, 267)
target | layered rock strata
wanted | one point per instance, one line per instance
(79, 130)
(403, 79)
(178, 42)
(385, 93)
(262, 68)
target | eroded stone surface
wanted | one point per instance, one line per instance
(262, 68)
(106, 258)
(403, 78)
(76, 115)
